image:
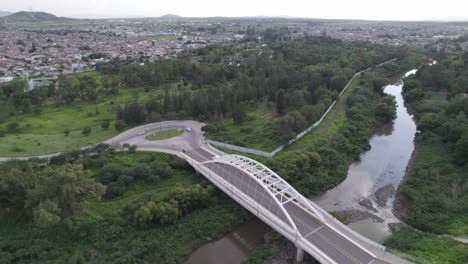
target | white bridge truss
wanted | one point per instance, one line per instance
(278, 189)
(266, 195)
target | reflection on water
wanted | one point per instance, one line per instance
(380, 168)
(232, 248)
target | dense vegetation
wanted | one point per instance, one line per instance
(154, 209)
(287, 84)
(438, 96)
(321, 159)
(299, 78)
(436, 189)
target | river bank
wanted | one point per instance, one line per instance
(364, 199)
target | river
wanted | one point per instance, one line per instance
(367, 192)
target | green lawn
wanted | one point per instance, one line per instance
(256, 132)
(164, 134)
(434, 173)
(423, 248)
(44, 133)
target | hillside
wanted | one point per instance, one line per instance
(4, 13)
(34, 17)
(170, 16)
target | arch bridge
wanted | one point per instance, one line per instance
(268, 196)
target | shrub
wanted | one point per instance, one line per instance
(66, 131)
(120, 125)
(105, 124)
(86, 131)
(132, 148)
(2, 133)
(13, 126)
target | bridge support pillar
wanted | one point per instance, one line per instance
(300, 255)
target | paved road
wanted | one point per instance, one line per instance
(314, 230)
(322, 235)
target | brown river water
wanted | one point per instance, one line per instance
(366, 194)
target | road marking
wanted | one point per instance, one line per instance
(317, 229)
(331, 243)
(335, 230)
(208, 151)
(328, 241)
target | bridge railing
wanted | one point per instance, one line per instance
(240, 149)
(253, 206)
(258, 210)
(352, 235)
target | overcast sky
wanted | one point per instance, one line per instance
(340, 9)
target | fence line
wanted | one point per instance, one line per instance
(301, 134)
(240, 149)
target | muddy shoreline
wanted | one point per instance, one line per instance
(401, 205)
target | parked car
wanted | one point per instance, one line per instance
(141, 133)
(188, 129)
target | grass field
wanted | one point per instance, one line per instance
(423, 248)
(434, 173)
(165, 134)
(256, 132)
(44, 133)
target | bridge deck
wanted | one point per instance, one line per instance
(336, 246)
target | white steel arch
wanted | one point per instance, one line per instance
(277, 187)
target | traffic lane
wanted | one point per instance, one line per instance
(153, 128)
(328, 235)
(344, 243)
(307, 225)
(311, 228)
(314, 230)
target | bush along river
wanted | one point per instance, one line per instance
(364, 200)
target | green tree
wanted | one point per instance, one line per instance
(63, 192)
(281, 102)
(105, 124)
(120, 125)
(429, 122)
(461, 149)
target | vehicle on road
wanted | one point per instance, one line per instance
(141, 133)
(188, 129)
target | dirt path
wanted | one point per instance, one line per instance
(339, 106)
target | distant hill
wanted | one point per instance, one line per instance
(5, 13)
(170, 16)
(34, 17)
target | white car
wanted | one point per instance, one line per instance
(141, 133)
(188, 129)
